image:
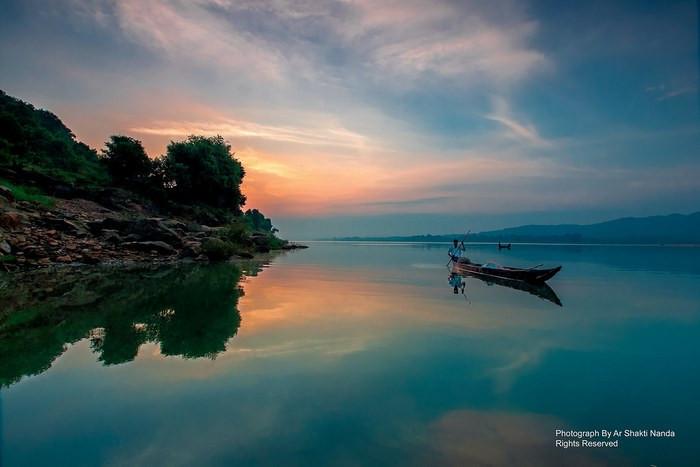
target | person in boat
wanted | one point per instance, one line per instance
(456, 250)
(456, 282)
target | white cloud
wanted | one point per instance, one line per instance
(329, 135)
(523, 131)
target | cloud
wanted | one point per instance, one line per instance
(330, 135)
(523, 131)
(192, 33)
(279, 40)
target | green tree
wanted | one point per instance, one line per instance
(203, 170)
(258, 222)
(34, 141)
(126, 160)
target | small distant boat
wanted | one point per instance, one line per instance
(503, 246)
(532, 275)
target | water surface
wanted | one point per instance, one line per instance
(353, 354)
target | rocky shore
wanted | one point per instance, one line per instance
(113, 231)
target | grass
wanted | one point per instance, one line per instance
(25, 193)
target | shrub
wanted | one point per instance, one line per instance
(235, 231)
(216, 249)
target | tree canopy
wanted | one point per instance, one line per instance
(126, 160)
(199, 176)
(203, 169)
(258, 222)
(37, 141)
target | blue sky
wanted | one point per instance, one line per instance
(401, 117)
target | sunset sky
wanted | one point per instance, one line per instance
(388, 117)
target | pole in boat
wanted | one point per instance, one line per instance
(463, 248)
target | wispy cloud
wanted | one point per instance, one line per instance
(193, 33)
(352, 106)
(329, 135)
(521, 130)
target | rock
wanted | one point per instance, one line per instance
(5, 247)
(294, 246)
(149, 229)
(7, 194)
(108, 223)
(34, 252)
(154, 230)
(158, 246)
(81, 298)
(174, 224)
(244, 255)
(89, 259)
(10, 220)
(64, 259)
(63, 225)
(111, 236)
(193, 227)
(191, 250)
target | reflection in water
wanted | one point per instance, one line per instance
(542, 290)
(367, 360)
(190, 310)
(482, 437)
(456, 282)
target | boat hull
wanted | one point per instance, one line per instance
(535, 276)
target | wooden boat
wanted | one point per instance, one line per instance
(532, 275)
(541, 290)
(503, 246)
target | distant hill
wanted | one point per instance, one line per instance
(670, 229)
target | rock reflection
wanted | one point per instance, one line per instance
(191, 310)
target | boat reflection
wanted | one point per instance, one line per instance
(542, 290)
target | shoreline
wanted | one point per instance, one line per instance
(399, 242)
(119, 230)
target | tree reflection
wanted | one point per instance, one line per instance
(191, 310)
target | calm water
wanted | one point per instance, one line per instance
(353, 355)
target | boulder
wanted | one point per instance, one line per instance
(89, 258)
(139, 230)
(35, 252)
(10, 220)
(174, 224)
(7, 194)
(108, 223)
(63, 225)
(193, 227)
(5, 247)
(153, 229)
(110, 236)
(158, 246)
(191, 249)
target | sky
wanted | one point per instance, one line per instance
(359, 117)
